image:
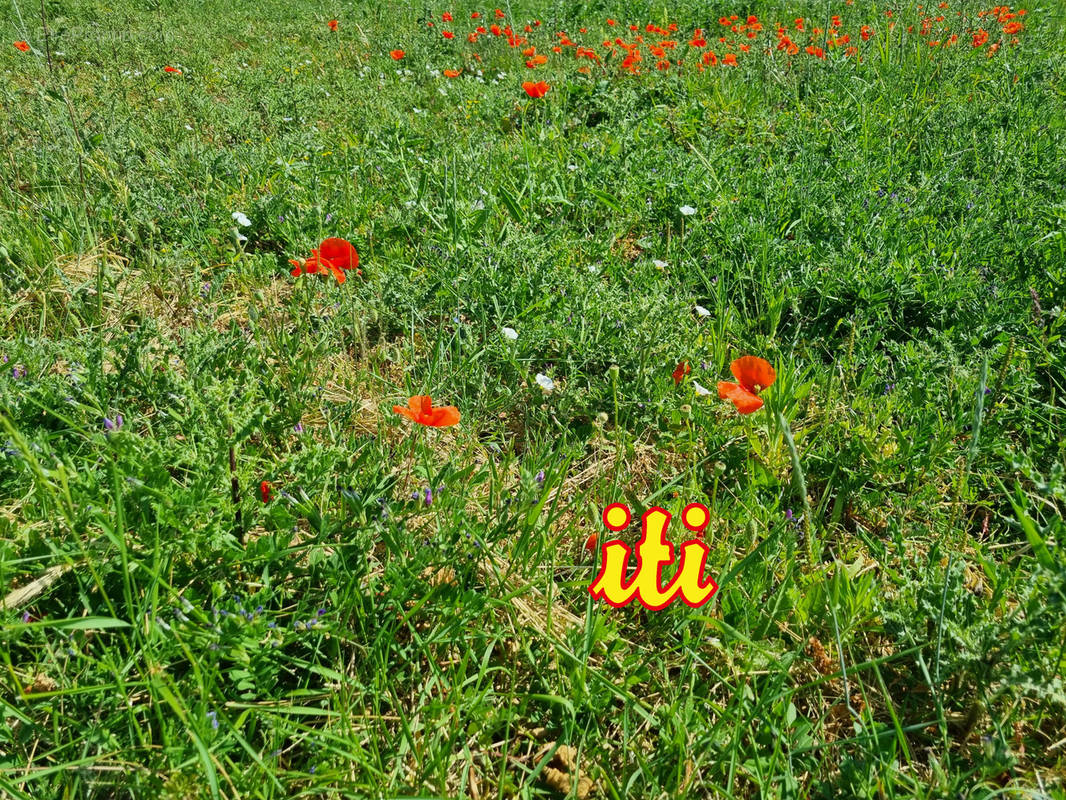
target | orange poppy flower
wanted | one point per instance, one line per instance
(23, 46)
(536, 90)
(333, 24)
(172, 69)
(590, 543)
(753, 375)
(452, 73)
(397, 54)
(681, 371)
(420, 409)
(333, 255)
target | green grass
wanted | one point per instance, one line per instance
(888, 233)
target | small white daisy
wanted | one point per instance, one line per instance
(659, 264)
(700, 390)
(703, 312)
(241, 220)
(545, 383)
(688, 211)
(510, 333)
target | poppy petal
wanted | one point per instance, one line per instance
(406, 412)
(753, 373)
(443, 417)
(340, 252)
(745, 401)
(681, 371)
(327, 264)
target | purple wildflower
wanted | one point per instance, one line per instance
(540, 477)
(213, 716)
(429, 496)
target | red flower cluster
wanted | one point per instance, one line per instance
(333, 255)
(420, 409)
(536, 90)
(753, 375)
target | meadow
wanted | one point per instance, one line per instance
(231, 568)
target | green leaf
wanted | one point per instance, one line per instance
(81, 623)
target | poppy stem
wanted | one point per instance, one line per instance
(47, 37)
(799, 485)
(410, 460)
(234, 485)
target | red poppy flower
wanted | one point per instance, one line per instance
(333, 255)
(452, 73)
(447, 34)
(536, 90)
(475, 15)
(590, 543)
(396, 54)
(172, 69)
(680, 371)
(23, 46)
(499, 14)
(264, 492)
(611, 22)
(333, 24)
(446, 16)
(753, 375)
(420, 409)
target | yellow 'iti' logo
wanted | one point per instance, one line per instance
(654, 553)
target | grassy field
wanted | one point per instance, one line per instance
(229, 569)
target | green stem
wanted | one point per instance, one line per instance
(799, 485)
